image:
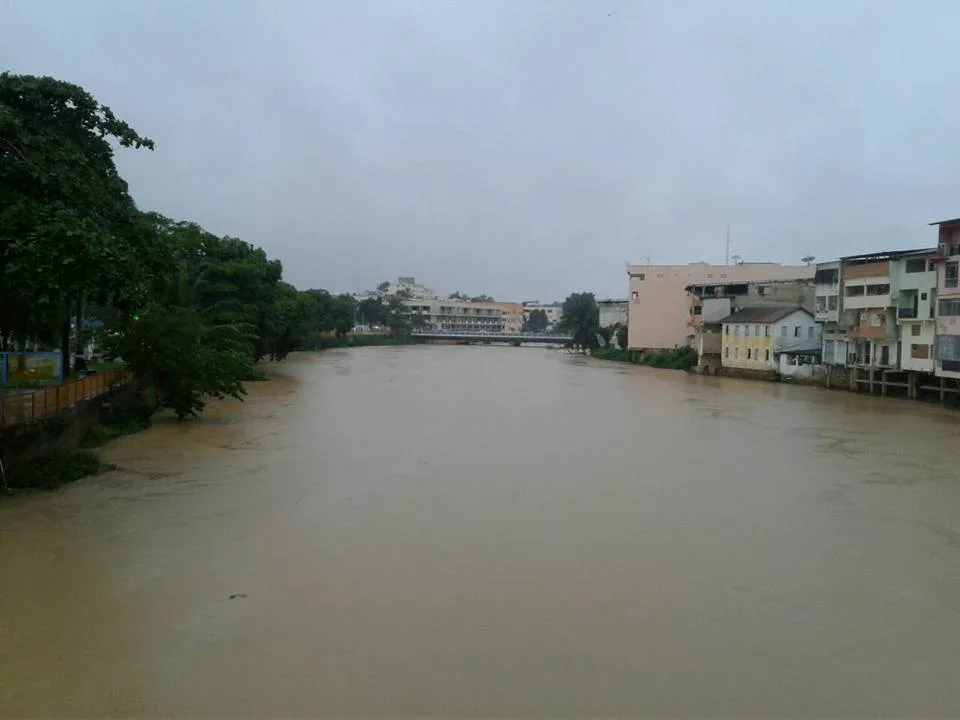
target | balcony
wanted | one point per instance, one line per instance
(821, 315)
(906, 313)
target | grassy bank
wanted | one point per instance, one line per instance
(611, 354)
(682, 358)
(59, 469)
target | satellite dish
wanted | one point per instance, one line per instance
(808, 259)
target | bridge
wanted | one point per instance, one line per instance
(480, 336)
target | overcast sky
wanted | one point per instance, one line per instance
(518, 148)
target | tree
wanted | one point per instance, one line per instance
(342, 310)
(536, 321)
(372, 311)
(457, 296)
(581, 318)
(68, 227)
(482, 298)
(384, 286)
(605, 334)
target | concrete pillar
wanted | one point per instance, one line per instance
(943, 390)
(911, 386)
(872, 371)
(883, 382)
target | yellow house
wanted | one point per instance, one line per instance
(753, 337)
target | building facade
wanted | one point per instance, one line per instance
(554, 311)
(458, 315)
(659, 315)
(947, 312)
(887, 314)
(754, 338)
(512, 315)
(613, 312)
(828, 306)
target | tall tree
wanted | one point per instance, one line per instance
(536, 321)
(581, 318)
(68, 227)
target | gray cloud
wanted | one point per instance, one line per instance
(524, 149)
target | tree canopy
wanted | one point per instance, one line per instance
(190, 312)
(537, 321)
(581, 318)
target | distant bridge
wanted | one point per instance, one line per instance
(480, 336)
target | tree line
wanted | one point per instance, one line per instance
(190, 312)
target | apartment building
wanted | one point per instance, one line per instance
(947, 314)
(659, 316)
(553, 311)
(887, 315)
(512, 315)
(459, 315)
(828, 305)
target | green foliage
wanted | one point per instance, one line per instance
(482, 298)
(188, 311)
(609, 353)
(621, 335)
(581, 318)
(59, 469)
(682, 358)
(536, 321)
(605, 334)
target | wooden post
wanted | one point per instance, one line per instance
(883, 382)
(871, 380)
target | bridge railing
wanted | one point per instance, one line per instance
(491, 333)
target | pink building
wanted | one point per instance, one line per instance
(659, 308)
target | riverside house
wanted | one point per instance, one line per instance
(754, 338)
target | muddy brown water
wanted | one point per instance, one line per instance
(451, 531)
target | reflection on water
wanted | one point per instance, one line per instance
(497, 531)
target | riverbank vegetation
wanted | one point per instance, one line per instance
(190, 312)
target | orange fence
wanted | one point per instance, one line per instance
(34, 405)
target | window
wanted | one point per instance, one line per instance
(914, 330)
(766, 331)
(917, 266)
(951, 275)
(832, 302)
(736, 330)
(635, 295)
(756, 331)
(766, 355)
(748, 353)
(642, 276)
(726, 329)
(736, 353)
(876, 320)
(920, 352)
(853, 290)
(762, 290)
(810, 332)
(947, 347)
(949, 308)
(726, 352)
(878, 289)
(796, 331)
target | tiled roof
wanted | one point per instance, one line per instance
(762, 315)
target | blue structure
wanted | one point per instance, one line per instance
(5, 363)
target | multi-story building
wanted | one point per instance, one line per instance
(408, 286)
(947, 315)
(613, 312)
(512, 316)
(458, 315)
(659, 310)
(754, 338)
(884, 296)
(828, 305)
(710, 304)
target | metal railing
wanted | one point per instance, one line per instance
(31, 406)
(906, 313)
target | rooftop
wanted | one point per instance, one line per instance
(955, 221)
(762, 315)
(888, 255)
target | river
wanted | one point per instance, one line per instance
(485, 531)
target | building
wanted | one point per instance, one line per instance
(947, 312)
(888, 315)
(754, 338)
(408, 286)
(613, 312)
(659, 310)
(828, 305)
(554, 311)
(709, 305)
(512, 316)
(459, 315)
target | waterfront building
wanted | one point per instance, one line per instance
(659, 307)
(754, 338)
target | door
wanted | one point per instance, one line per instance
(885, 355)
